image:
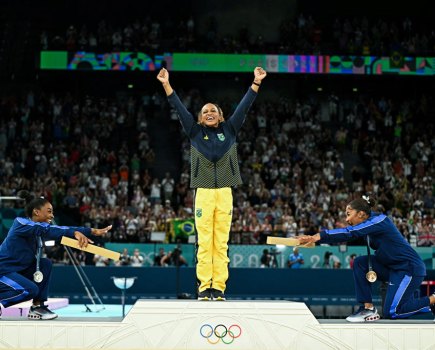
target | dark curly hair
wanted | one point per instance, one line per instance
(32, 202)
(365, 204)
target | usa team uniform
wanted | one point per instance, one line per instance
(18, 259)
(394, 261)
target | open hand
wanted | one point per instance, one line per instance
(100, 231)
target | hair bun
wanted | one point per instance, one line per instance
(370, 199)
(23, 194)
(367, 199)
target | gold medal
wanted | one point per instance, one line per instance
(38, 276)
(371, 276)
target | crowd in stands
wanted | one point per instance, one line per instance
(302, 159)
(303, 34)
(294, 173)
(77, 154)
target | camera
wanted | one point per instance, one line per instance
(176, 252)
(273, 251)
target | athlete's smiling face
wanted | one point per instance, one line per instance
(43, 214)
(354, 217)
(210, 115)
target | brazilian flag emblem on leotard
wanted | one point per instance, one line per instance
(198, 213)
(221, 137)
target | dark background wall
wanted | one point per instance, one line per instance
(313, 286)
(170, 282)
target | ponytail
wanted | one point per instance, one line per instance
(365, 204)
(31, 202)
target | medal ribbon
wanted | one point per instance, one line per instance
(38, 253)
(370, 275)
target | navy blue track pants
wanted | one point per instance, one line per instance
(400, 300)
(16, 287)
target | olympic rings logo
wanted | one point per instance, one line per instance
(220, 333)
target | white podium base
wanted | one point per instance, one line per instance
(189, 324)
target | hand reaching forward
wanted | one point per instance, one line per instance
(100, 231)
(84, 241)
(308, 239)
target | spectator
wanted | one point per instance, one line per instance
(124, 259)
(295, 259)
(173, 258)
(352, 260)
(168, 185)
(265, 259)
(158, 257)
(327, 264)
(136, 259)
(101, 260)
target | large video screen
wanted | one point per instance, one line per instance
(204, 62)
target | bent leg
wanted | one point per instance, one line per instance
(363, 289)
(400, 301)
(15, 288)
(45, 266)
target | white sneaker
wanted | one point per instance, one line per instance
(432, 308)
(41, 313)
(364, 315)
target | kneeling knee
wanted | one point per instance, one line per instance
(387, 313)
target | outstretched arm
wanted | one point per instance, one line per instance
(305, 239)
(84, 241)
(163, 77)
(259, 75)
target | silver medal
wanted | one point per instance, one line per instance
(38, 276)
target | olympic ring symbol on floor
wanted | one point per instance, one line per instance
(220, 332)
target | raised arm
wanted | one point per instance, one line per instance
(186, 118)
(238, 117)
(259, 75)
(163, 77)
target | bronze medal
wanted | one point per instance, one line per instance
(371, 276)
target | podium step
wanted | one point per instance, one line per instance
(241, 325)
(22, 309)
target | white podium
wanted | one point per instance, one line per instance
(191, 324)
